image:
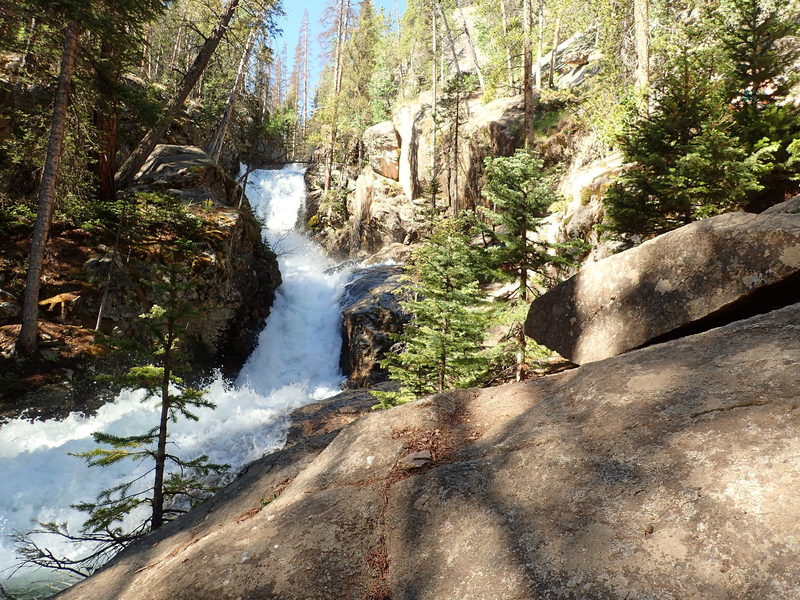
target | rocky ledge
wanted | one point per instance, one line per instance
(371, 313)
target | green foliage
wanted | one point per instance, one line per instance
(501, 356)
(757, 54)
(15, 215)
(521, 193)
(162, 359)
(684, 161)
(441, 345)
(333, 207)
(164, 226)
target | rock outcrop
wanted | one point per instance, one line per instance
(381, 215)
(233, 277)
(492, 129)
(667, 472)
(382, 145)
(370, 313)
(235, 274)
(696, 276)
(332, 414)
(413, 122)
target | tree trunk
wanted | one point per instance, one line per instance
(641, 9)
(106, 123)
(523, 297)
(453, 193)
(509, 60)
(157, 519)
(522, 345)
(527, 77)
(449, 36)
(435, 78)
(305, 79)
(551, 80)
(471, 46)
(341, 32)
(104, 118)
(176, 47)
(539, 45)
(141, 153)
(26, 343)
(34, 31)
(217, 141)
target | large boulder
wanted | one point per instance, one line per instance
(370, 313)
(382, 143)
(698, 276)
(791, 206)
(669, 472)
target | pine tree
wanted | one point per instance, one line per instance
(521, 193)
(684, 161)
(177, 484)
(755, 39)
(442, 343)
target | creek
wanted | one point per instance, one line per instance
(296, 362)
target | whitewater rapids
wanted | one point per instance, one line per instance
(296, 362)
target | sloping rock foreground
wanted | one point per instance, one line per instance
(679, 278)
(670, 472)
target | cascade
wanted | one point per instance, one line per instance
(296, 362)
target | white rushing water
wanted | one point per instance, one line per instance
(296, 362)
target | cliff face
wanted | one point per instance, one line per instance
(386, 196)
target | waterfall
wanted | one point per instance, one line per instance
(296, 362)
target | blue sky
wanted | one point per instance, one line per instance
(290, 24)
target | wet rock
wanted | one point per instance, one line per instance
(54, 398)
(394, 252)
(332, 414)
(701, 275)
(667, 472)
(370, 312)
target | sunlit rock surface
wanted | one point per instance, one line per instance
(702, 275)
(667, 472)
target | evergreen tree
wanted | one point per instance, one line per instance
(684, 161)
(442, 343)
(521, 193)
(755, 39)
(177, 484)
